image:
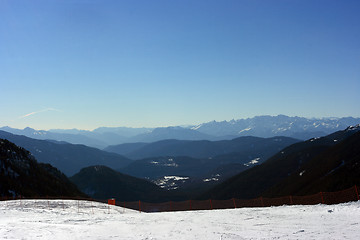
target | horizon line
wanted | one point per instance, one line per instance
(181, 125)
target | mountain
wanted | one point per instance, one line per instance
(339, 169)
(178, 133)
(70, 136)
(68, 158)
(101, 182)
(107, 135)
(21, 174)
(123, 131)
(257, 180)
(172, 172)
(154, 168)
(247, 146)
(103, 137)
(281, 125)
(125, 148)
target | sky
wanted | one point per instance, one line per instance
(138, 63)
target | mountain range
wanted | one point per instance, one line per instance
(68, 158)
(179, 163)
(194, 160)
(250, 146)
(329, 163)
(260, 126)
(281, 125)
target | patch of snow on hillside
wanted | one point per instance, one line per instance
(210, 179)
(245, 130)
(170, 182)
(252, 162)
(175, 178)
(353, 128)
(283, 129)
(171, 164)
(196, 127)
(167, 163)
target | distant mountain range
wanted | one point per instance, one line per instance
(69, 158)
(261, 126)
(329, 163)
(281, 125)
(194, 160)
(22, 175)
(250, 146)
(268, 167)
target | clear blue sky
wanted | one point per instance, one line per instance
(85, 64)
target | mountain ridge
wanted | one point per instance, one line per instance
(257, 180)
(259, 126)
(102, 182)
(21, 174)
(195, 148)
(69, 158)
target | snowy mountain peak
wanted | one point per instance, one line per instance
(281, 125)
(353, 128)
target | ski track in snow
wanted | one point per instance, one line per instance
(71, 219)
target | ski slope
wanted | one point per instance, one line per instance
(71, 219)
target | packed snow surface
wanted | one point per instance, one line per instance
(69, 219)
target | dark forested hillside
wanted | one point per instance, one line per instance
(21, 174)
(101, 182)
(257, 180)
(69, 158)
(335, 169)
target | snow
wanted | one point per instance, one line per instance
(210, 179)
(196, 127)
(245, 130)
(169, 182)
(252, 162)
(175, 178)
(71, 219)
(170, 163)
(213, 178)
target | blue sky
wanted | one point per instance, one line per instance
(86, 64)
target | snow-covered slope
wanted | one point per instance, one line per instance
(68, 219)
